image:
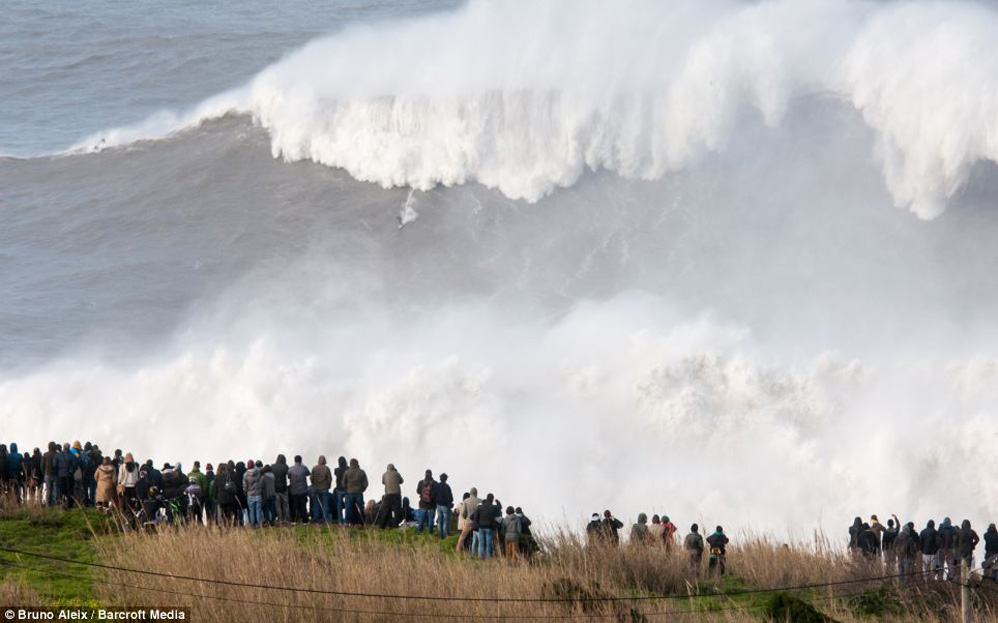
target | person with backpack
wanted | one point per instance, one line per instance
(718, 543)
(694, 549)
(425, 490)
(512, 531)
(280, 471)
(443, 497)
(297, 491)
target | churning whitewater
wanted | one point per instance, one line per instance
(640, 256)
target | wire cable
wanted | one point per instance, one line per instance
(459, 598)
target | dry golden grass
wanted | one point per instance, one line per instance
(366, 562)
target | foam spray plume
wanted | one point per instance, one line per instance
(657, 266)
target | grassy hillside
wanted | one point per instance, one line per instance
(347, 574)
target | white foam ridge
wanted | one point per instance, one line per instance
(525, 97)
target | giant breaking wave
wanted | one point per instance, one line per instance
(524, 97)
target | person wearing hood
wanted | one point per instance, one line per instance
(991, 553)
(966, 543)
(947, 548)
(512, 531)
(355, 480)
(280, 471)
(322, 484)
(928, 540)
(718, 543)
(340, 494)
(639, 531)
(107, 481)
(669, 530)
(905, 549)
(253, 486)
(391, 505)
(693, 544)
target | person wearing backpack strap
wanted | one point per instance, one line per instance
(718, 543)
(426, 490)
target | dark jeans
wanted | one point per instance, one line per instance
(425, 518)
(66, 484)
(355, 508)
(297, 503)
(90, 490)
(391, 511)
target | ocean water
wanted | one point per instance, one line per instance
(732, 262)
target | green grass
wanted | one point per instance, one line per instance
(52, 532)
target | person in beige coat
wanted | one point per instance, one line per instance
(466, 510)
(107, 481)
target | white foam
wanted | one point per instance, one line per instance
(525, 97)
